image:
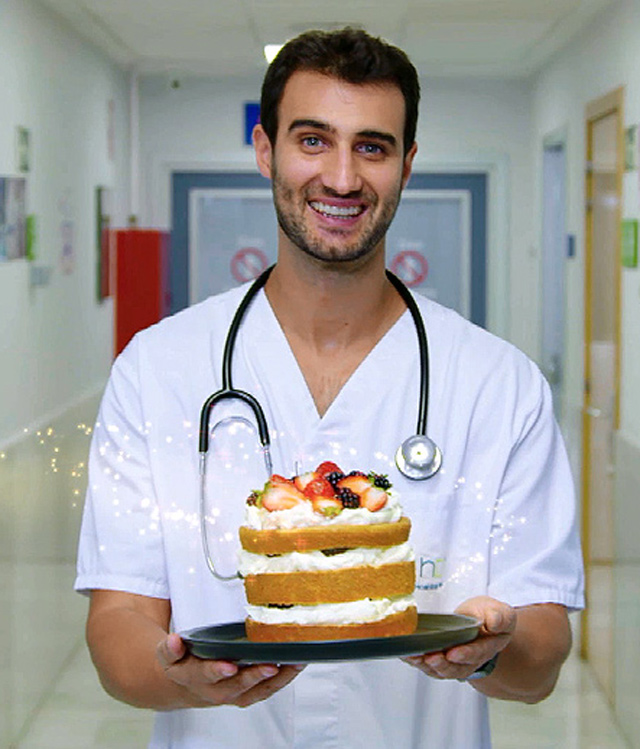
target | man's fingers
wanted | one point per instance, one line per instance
(461, 660)
(496, 617)
(170, 650)
(175, 646)
(479, 652)
(221, 682)
(264, 689)
(496, 622)
(250, 685)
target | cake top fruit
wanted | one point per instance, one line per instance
(327, 489)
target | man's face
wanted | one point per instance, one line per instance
(338, 166)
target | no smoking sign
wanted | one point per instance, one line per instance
(411, 267)
(248, 263)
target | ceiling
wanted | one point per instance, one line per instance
(506, 38)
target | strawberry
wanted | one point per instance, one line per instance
(318, 488)
(277, 479)
(327, 467)
(303, 479)
(328, 506)
(358, 483)
(374, 498)
(281, 497)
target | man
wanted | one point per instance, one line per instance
(330, 351)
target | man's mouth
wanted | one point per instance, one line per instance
(337, 211)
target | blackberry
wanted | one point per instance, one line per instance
(334, 477)
(252, 499)
(380, 480)
(357, 473)
(348, 498)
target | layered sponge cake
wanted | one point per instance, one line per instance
(325, 556)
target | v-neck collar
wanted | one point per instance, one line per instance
(269, 343)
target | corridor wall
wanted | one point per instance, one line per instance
(604, 57)
(56, 339)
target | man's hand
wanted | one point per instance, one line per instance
(220, 682)
(142, 665)
(534, 642)
(498, 624)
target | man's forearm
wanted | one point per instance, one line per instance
(141, 664)
(123, 644)
(528, 668)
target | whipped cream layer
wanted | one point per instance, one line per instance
(304, 516)
(316, 561)
(354, 612)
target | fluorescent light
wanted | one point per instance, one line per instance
(271, 50)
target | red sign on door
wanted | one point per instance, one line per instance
(411, 267)
(248, 263)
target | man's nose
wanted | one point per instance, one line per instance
(341, 173)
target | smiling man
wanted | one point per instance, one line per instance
(330, 348)
(339, 167)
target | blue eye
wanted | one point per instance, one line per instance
(312, 141)
(372, 149)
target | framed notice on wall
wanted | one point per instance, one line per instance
(104, 237)
(629, 240)
(631, 148)
(13, 218)
(23, 149)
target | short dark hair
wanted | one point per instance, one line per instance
(349, 54)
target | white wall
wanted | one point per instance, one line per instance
(55, 341)
(474, 122)
(463, 125)
(605, 57)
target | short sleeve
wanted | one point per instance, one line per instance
(535, 554)
(121, 545)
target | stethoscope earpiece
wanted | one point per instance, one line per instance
(418, 457)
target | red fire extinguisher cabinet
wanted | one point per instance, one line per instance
(141, 288)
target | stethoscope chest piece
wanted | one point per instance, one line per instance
(418, 457)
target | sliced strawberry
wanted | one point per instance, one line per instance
(327, 467)
(357, 484)
(318, 487)
(276, 478)
(303, 479)
(374, 498)
(327, 506)
(280, 496)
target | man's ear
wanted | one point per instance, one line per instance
(263, 150)
(408, 162)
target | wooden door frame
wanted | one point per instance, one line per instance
(611, 103)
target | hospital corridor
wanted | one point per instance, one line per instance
(129, 192)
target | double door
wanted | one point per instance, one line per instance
(225, 233)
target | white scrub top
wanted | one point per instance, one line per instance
(498, 519)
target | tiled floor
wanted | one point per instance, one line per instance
(78, 715)
(50, 697)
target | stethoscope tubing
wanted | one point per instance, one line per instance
(423, 350)
(425, 446)
(228, 392)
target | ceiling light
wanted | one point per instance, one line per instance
(271, 50)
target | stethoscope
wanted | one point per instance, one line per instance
(417, 458)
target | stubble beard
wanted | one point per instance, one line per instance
(292, 223)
